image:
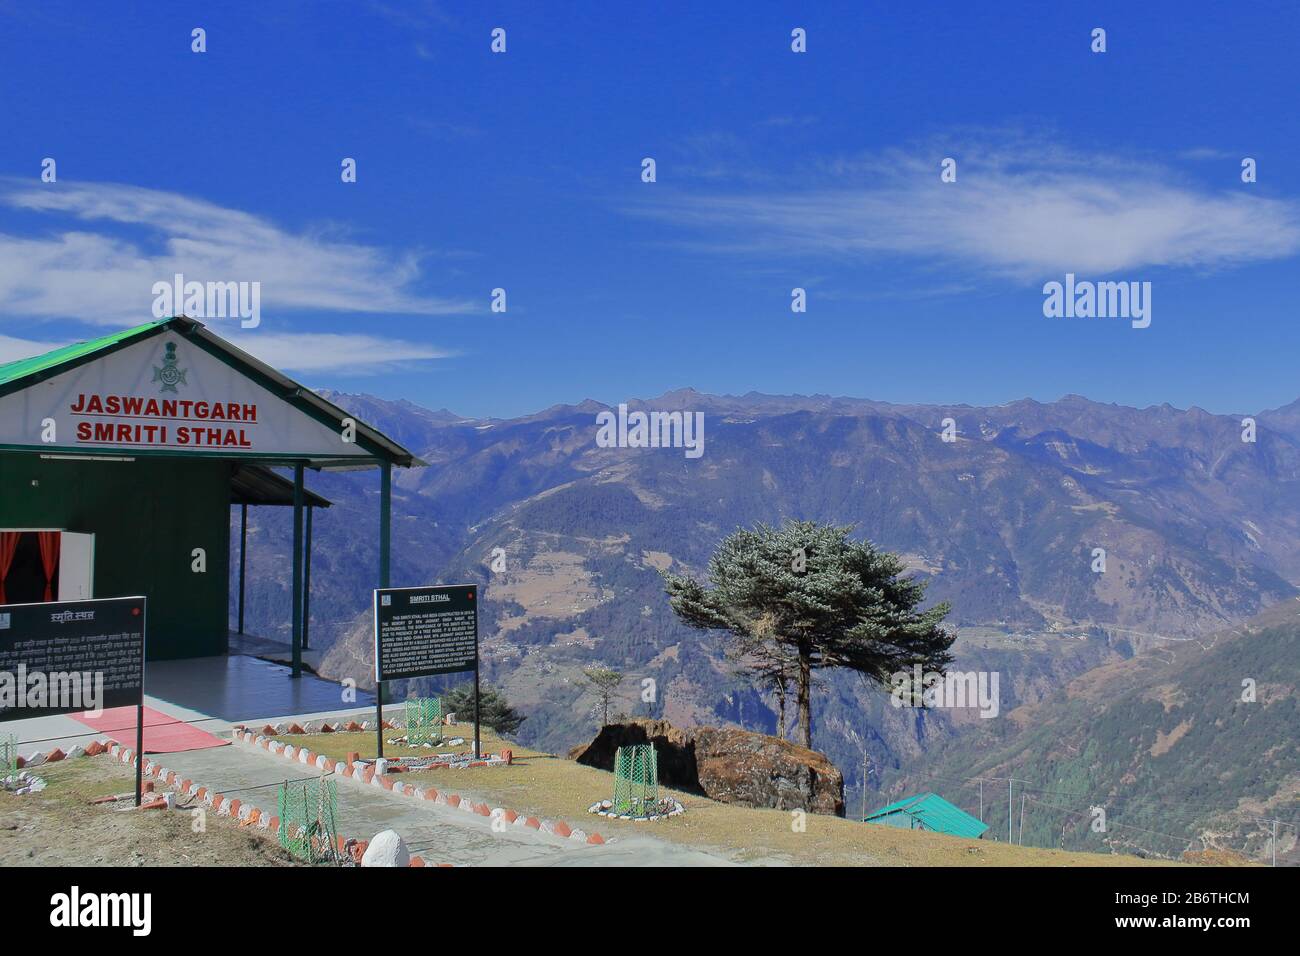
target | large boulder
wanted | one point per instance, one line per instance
(755, 770)
(727, 764)
(675, 750)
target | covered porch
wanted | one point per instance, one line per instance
(257, 485)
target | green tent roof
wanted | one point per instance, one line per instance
(39, 363)
(932, 812)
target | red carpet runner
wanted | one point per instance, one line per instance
(163, 734)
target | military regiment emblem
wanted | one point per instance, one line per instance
(169, 374)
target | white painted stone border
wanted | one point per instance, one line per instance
(242, 812)
(366, 775)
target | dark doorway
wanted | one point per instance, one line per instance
(25, 582)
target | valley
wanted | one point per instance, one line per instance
(1201, 533)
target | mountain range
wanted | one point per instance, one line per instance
(1005, 510)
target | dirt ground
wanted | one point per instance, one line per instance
(544, 785)
(59, 827)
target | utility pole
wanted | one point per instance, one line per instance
(865, 771)
(1275, 843)
(1022, 819)
(1009, 779)
(981, 779)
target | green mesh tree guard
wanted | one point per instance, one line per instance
(636, 780)
(307, 812)
(9, 757)
(423, 721)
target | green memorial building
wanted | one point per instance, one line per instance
(120, 459)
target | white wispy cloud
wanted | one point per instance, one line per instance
(93, 267)
(329, 352)
(1022, 210)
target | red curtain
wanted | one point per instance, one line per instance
(49, 541)
(8, 546)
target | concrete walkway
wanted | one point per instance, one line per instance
(212, 693)
(439, 834)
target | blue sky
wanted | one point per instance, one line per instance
(522, 170)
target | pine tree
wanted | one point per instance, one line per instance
(605, 681)
(495, 711)
(804, 597)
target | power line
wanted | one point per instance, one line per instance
(1118, 799)
(1123, 826)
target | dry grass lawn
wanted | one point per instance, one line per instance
(60, 827)
(544, 785)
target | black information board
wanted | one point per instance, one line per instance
(53, 654)
(420, 632)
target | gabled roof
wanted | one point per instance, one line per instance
(24, 373)
(935, 813)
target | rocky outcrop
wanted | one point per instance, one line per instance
(755, 770)
(728, 764)
(674, 749)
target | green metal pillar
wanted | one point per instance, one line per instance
(306, 583)
(385, 522)
(385, 567)
(243, 552)
(297, 569)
